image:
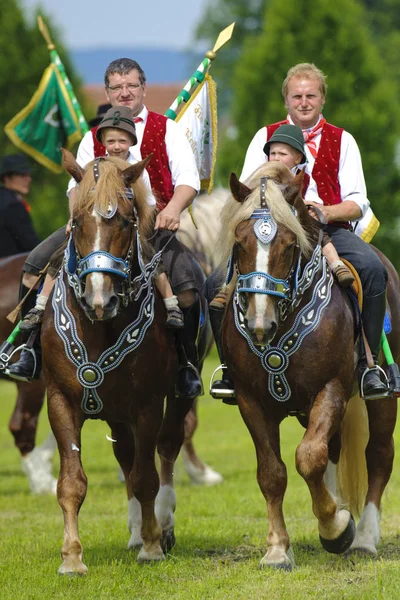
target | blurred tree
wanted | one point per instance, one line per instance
(360, 98)
(248, 16)
(23, 58)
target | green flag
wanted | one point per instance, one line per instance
(52, 120)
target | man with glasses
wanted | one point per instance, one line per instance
(174, 179)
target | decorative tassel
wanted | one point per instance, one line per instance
(12, 317)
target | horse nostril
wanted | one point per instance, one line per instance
(112, 304)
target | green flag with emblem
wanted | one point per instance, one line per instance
(52, 120)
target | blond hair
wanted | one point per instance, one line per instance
(234, 212)
(308, 70)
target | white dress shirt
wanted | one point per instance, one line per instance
(181, 159)
(351, 176)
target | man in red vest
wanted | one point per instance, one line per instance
(335, 175)
(175, 181)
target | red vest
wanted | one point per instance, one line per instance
(326, 167)
(158, 168)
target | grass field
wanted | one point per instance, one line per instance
(220, 531)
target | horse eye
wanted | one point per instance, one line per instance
(125, 222)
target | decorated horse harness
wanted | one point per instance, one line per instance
(275, 358)
(138, 289)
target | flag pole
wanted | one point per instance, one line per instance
(55, 59)
(200, 73)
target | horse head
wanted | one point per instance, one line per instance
(270, 225)
(109, 210)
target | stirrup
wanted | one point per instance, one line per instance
(378, 396)
(220, 394)
(7, 351)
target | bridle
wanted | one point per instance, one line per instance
(99, 261)
(275, 358)
(290, 289)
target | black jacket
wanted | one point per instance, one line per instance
(16, 228)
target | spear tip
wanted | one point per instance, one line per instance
(224, 37)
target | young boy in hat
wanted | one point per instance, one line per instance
(117, 133)
(286, 145)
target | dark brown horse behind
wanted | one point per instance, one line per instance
(288, 341)
(107, 354)
(36, 460)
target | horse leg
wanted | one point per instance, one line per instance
(124, 451)
(272, 479)
(198, 471)
(169, 444)
(144, 479)
(72, 481)
(379, 455)
(336, 527)
(36, 464)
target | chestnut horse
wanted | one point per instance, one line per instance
(36, 460)
(288, 339)
(107, 354)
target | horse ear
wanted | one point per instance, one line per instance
(239, 191)
(295, 188)
(132, 173)
(71, 166)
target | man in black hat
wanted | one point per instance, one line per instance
(101, 113)
(17, 233)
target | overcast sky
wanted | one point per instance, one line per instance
(116, 23)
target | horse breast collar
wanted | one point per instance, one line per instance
(91, 374)
(275, 359)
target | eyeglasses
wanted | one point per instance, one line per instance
(117, 89)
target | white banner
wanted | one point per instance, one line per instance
(198, 120)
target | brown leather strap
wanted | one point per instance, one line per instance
(368, 353)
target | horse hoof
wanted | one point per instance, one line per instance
(277, 559)
(78, 571)
(203, 475)
(342, 543)
(168, 540)
(146, 556)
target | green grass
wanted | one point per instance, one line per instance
(220, 531)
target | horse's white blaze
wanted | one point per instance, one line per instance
(97, 279)
(262, 259)
(134, 523)
(368, 530)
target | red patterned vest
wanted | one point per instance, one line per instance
(158, 168)
(326, 167)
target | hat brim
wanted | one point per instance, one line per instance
(289, 141)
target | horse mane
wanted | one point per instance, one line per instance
(235, 212)
(109, 192)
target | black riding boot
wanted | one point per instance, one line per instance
(221, 389)
(371, 385)
(29, 364)
(188, 382)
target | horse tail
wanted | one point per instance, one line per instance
(352, 476)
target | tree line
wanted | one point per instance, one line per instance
(354, 43)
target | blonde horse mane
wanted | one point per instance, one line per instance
(235, 212)
(109, 193)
